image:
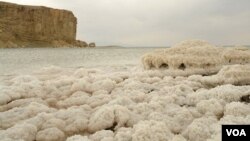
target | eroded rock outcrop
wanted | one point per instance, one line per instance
(195, 57)
(37, 26)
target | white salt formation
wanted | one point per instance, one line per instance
(195, 57)
(57, 104)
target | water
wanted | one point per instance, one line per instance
(25, 60)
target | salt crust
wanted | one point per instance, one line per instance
(55, 104)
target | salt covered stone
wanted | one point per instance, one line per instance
(195, 57)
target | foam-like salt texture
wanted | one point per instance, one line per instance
(85, 104)
(195, 57)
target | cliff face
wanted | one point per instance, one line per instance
(36, 26)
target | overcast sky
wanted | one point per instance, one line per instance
(157, 22)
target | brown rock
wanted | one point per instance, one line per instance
(9, 44)
(79, 43)
(37, 26)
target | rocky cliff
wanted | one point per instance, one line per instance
(37, 26)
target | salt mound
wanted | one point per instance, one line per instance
(232, 74)
(195, 57)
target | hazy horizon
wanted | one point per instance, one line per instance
(134, 23)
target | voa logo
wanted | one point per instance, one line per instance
(236, 132)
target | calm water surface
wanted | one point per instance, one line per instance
(24, 60)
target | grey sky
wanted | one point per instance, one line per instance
(157, 22)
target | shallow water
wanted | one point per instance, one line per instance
(25, 60)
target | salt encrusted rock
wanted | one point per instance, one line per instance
(108, 117)
(91, 44)
(232, 74)
(195, 57)
(78, 138)
(25, 131)
(11, 117)
(178, 138)
(101, 135)
(211, 106)
(151, 130)
(235, 74)
(200, 129)
(123, 134)
(237, 109)
(50, 134)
